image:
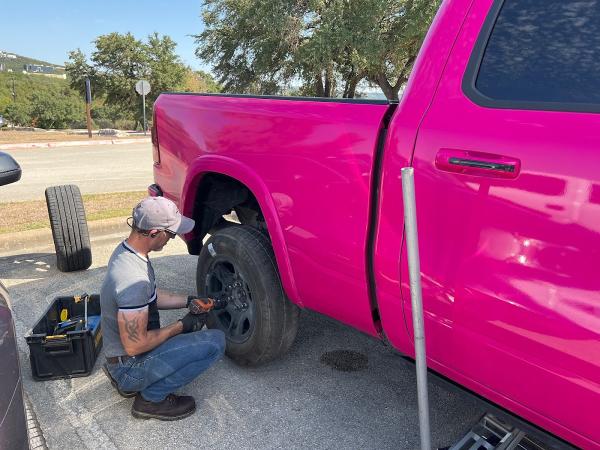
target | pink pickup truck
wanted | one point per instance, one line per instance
(500, 120)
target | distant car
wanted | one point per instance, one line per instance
(2, 122)
(13, 426)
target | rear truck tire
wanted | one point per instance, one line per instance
(69, 228)
(259, 322)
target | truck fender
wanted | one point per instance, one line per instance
(244, 174)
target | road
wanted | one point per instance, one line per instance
(94, 168)
(295, 402)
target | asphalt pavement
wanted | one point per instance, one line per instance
(295, 402)
(94, 168)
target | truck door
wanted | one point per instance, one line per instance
(507, 175)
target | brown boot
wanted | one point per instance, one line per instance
(173, 407)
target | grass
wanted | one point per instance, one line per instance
(8, 136)
(31, 215)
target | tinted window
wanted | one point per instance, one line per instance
(544, 51)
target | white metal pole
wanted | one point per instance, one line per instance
(144, 111)
(85, 299)
(414, 269)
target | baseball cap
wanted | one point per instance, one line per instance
(160, 213)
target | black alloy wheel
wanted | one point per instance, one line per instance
(225, 282)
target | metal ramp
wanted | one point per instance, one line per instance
(490, 433)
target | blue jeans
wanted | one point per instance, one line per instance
(171, 365)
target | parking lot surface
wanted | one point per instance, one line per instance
(295, 402)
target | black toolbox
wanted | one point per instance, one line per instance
(59, 344)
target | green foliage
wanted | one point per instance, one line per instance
(78, 70)
(251, 43)
(124, 124)
(107, 113)
(166, 72)
(209, 82)
(56, 109)
(118, 62)
(329, 45)
(199, 81)
(40, 101)
(383, 44)
(18, 113)
(25, 85)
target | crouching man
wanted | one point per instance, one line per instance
(144, 359)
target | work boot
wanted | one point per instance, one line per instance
(125, 394)
(173, 407)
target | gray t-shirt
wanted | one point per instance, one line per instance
(129, 285)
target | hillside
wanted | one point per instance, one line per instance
(16, 64)
(25, 86)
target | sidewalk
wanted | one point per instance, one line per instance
(73, 143)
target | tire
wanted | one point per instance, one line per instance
(259, 322)
(69, 228)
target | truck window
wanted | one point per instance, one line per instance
(538, 54)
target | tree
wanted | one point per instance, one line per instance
(165, 71)
(383, 45)
(78, 70)
(116, 65)
(329, 45)
(46, 108)
(18, 113)
(119, 61)
(55, 108)
(40, 101)
(250, 43)
(199, 81)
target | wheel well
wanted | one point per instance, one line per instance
(222, 200)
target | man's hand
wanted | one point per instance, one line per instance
(192, 322)
(200, 305)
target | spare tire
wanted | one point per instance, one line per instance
(69, 228)
(260, 323)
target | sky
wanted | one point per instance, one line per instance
(49, 29)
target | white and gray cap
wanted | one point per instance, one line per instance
(160, 213)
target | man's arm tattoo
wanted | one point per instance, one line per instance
(132, 328)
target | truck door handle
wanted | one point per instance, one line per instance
(477, 163)
(482, 164)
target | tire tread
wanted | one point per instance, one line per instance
(69, 228)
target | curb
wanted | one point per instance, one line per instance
(26, 241)
(73, 143)
(37, 440)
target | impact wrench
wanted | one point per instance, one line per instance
(203, 305)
